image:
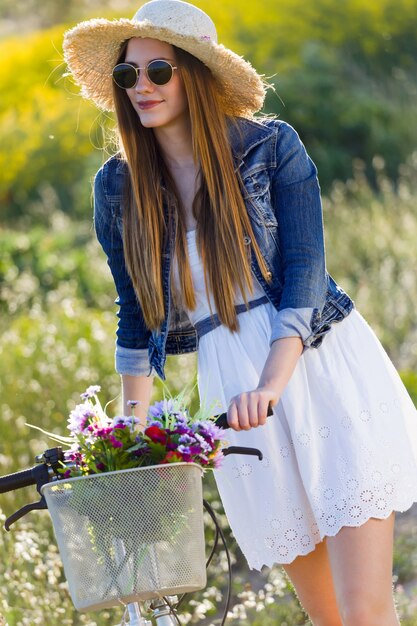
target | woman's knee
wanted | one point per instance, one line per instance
(366, 611)
(319, 612)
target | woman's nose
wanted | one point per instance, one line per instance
(144, 84)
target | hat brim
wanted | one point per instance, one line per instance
(91, 49)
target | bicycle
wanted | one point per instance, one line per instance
(125, 554)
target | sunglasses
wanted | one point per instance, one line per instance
(158, 72)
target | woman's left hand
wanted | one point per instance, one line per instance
(249, 410)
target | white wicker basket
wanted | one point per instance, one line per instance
(130, 535)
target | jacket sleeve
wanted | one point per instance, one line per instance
(298, 209)
(132, 334)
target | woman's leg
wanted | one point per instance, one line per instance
(312, 580)
(361, 565)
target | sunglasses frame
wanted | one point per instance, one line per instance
(138, 69)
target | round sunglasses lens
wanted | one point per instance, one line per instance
(160, 72)
(124, 76)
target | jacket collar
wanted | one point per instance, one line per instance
(244, 135)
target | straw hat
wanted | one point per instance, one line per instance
(92, 47)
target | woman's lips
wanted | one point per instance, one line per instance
(148, 104)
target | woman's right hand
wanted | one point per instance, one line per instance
(250, 409)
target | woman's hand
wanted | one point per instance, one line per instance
(249, 410)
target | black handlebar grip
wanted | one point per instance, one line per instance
(221, 420)
(18, 480)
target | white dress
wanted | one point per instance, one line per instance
(340, 448)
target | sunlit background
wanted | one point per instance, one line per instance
(345, 75)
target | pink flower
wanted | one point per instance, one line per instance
(115, 442)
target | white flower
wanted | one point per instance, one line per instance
(90, 392)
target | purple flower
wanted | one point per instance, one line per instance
(205, 446)
(121, 421)
(163, 407)
(90, 392)
(186, 439)
(79, 418)
(133, 403)
(209, 430)
(182, 418)
(195, 450)
(184, 449)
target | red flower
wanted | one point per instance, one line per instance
(172, 457)
(156, 434)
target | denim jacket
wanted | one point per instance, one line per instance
(282, 197)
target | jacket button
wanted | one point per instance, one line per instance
(269, 275)
(247, 240)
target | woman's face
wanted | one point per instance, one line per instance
(156, 105)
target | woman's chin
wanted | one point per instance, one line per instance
(149, 120)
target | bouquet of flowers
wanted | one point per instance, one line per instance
(99, 443)
(128, 513)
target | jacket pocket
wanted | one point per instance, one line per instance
(256, 194)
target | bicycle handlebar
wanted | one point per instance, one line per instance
(17, 480)
(221, 420)
(46, 468)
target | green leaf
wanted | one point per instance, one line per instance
(58, 438)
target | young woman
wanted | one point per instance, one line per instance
(212, 224)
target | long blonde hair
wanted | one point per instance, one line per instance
(223, 224)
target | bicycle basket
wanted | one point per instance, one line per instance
(130, 535)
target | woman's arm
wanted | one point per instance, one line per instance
(132, 333)
(137, 388)
(249, 409)
(295, 198)
(296, 201)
